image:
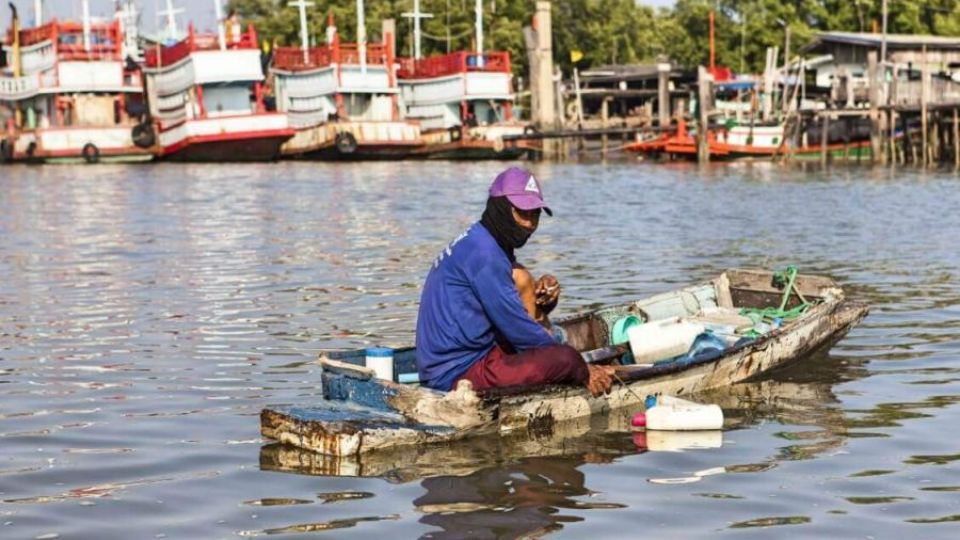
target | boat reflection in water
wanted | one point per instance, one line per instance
(520, 484)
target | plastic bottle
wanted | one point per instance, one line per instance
(675, 414)
(662, 339)
(380, 360)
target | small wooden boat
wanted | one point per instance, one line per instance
(608, 435)
(361, 413)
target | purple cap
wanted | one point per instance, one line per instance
(521, 188)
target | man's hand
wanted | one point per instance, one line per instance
(601, 377)
(547, 291)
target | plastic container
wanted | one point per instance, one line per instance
(619, 333)
(678, 441)
(675, 414)
(380, 360)
(659, 340)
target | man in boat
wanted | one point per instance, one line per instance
(483, 317)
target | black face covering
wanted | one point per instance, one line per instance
(498, 219)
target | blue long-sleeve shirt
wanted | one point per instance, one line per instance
(468, 294)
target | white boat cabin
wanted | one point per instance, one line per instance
(208, 89)
(337, 81)
(65, 88)
(457, 89)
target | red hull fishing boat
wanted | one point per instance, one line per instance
(67, 94)
(342, 97)
(463, 101)
(206, 94)
(742, 142)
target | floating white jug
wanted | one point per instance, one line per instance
(675, 414)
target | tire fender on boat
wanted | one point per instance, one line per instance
(456, 133)
(143, 135)
(6, 151)
(346, 142)
(31, 149)
(498, 145)
(90, 152)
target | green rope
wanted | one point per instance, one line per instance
(786, 279)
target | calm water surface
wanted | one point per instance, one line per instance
(147, 314)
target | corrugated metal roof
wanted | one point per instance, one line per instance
(894, 41)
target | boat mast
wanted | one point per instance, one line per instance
(302, 5)
(38, 12)
(86, 25)
(361, 37)
(221, 31)
(480, 33)
(416, 15)
(171, 14)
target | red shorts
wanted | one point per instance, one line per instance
(546, 365)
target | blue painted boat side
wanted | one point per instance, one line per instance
(355, 419)
(367, 393)
(404, 359)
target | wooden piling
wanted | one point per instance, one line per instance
(873, 90)
(956, 140)
(604, 118)
(663, 94)
(924, 97)
(704, 92)
(539, 42)
(824, 131)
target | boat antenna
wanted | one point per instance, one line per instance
(479, 10)
(86, 25)
(416, 15)
(361, 37)
(171, 15)
(302, 5)
(221, 31)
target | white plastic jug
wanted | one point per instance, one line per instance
(678, 441)
(675, 414)
(662, 339)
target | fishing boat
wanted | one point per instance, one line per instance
(206, 95)
(342, 97)
(361, 413)
(68, 95)
(610, 435)
(463, 101)
(745, 141)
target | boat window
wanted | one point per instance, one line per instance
(224, 99)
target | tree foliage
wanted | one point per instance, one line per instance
(613, 31)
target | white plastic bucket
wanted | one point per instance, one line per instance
(380, 360)
(659, 340)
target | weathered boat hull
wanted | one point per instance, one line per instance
(791, 402)
(363, 414)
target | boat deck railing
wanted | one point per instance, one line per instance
(171, 54)
(453, 63)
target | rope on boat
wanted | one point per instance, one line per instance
(787, 279)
